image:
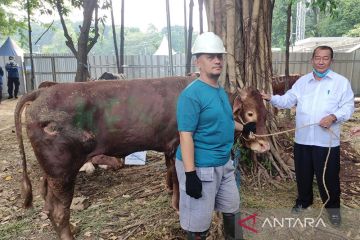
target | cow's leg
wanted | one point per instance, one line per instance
(58, 195)
(176, 193)
(112, 162)
(171, 179)
(169, 158)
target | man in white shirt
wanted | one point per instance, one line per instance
(323, 100)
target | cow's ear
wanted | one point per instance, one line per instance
(243, 94)
(237, 104)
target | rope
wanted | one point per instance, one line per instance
(285, 131)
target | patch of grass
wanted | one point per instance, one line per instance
(19, 226)
(12, 229)
(149, 218)
(91, 219)
(269, 196)
(266, 197)
(158, 217)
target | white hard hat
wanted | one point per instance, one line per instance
(208, 42)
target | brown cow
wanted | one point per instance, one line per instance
(69, 123)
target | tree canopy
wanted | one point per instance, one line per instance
(136, 41)
(10, 22)
(278, 33)
(324, 18)
(341, 23)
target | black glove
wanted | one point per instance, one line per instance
(193, 185)
(249, 127)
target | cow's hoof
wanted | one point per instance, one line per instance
(88, 167)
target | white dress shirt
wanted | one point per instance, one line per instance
(315, 99)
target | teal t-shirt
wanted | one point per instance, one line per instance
(206, 112)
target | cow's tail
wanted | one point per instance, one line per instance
(25, 183)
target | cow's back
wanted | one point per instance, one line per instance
(278, 83)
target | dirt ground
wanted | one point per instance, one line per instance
(133, 203)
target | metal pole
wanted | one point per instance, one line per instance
(185, 28)
(32, 78)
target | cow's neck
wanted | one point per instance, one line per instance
(231, 96)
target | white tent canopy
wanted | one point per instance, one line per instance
(10, 48)
(163, 49)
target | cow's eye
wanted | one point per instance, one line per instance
(250, 114)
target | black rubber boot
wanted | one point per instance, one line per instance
(196, 235)
(232, 230)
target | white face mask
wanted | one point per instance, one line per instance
(12, 61)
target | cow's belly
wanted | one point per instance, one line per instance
(122, 145)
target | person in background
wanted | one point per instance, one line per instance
(1, 82)
(323, 99)
(206, 127)
(13, 78)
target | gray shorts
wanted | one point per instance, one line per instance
(219, 192)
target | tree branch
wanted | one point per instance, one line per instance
(44, 33)
(96, 29)
(69, 42)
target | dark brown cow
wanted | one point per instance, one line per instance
(69, 123)
(112, 76)
(278, 83)
(46, 84)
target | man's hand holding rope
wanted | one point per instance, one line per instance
(327, 121)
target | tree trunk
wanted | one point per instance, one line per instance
(185, 29)
(230, 45)
(82, 73)
(32, 78)
(189, 43)
(201, 4)
(85, 43)
(287, 52)
(122, 38)
(247, 41)
(114, 37)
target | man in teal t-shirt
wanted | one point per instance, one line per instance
(206, 127)
(205, 110)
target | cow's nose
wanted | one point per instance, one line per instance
(264, 145)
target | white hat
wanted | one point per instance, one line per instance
(208, 42)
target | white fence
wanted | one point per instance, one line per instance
(62, 68)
